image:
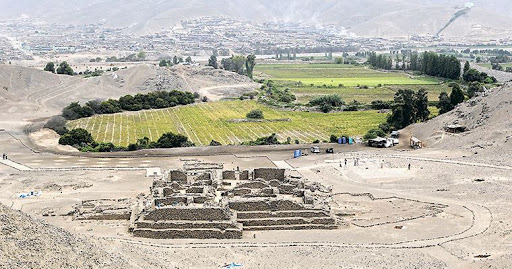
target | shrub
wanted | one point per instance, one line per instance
(171, 140)
(255, 114)
(266, 140)
(77, 137)
(379, 104)
(333, 100)
(333, 139)
(374, 133)
(215, 143)
(58, 124)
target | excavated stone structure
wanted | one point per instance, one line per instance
(103, 209)
(210, 203)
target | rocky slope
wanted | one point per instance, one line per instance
(29, 243)
(487, 118)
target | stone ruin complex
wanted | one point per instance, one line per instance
(205, 201)
(223, 204)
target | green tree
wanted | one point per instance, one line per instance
(50, 67)
(421, 106)
(374, 133)
(76, 137)
(213, 62)
(457, 95)
(234, 64)
(249, 64)
(403, 110)
(473, 88)
(444, 104)
(65, 69)
(467, 66)
(171, 140)
(255, 114)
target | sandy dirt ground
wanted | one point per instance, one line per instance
(453, 213)
(450, 210)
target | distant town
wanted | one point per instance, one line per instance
(25, 38)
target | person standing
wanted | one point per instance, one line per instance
(409, 167)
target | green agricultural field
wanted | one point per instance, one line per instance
(334, 75)
(385, 93)
(217, 121)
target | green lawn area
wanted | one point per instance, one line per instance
(204, 122)
(334, 75)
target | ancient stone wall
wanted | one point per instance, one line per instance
(254, 204)
(105, 215)
(283, 214)
(253, 185)
(189, 233)
(186, 213)
(172, 200)
(244, 175)
(228, 175)
(269, 173)
(195, 189)
(287, 221)
(292, 227)
(187, 225)
(178, 176)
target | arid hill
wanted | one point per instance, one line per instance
(28, 93)
(487, 118)
(26, 242)
(387, 18)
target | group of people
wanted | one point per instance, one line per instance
(4, 157)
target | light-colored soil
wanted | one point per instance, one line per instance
(447, 217)
(450, 210)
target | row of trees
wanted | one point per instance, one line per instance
(236, 63)
(83, 140)
(64, 68)
(380, 61)
(429, 63)
(438, 65)
(174, 60)
(152, 100)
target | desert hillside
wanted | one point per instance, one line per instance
(389, 18)
(28, 93)
(487, 118)
(26, 242)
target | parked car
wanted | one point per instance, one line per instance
(315, 150)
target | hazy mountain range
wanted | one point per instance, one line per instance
(386, 18)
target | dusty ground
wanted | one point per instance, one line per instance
(451, 210)
(449, 216)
